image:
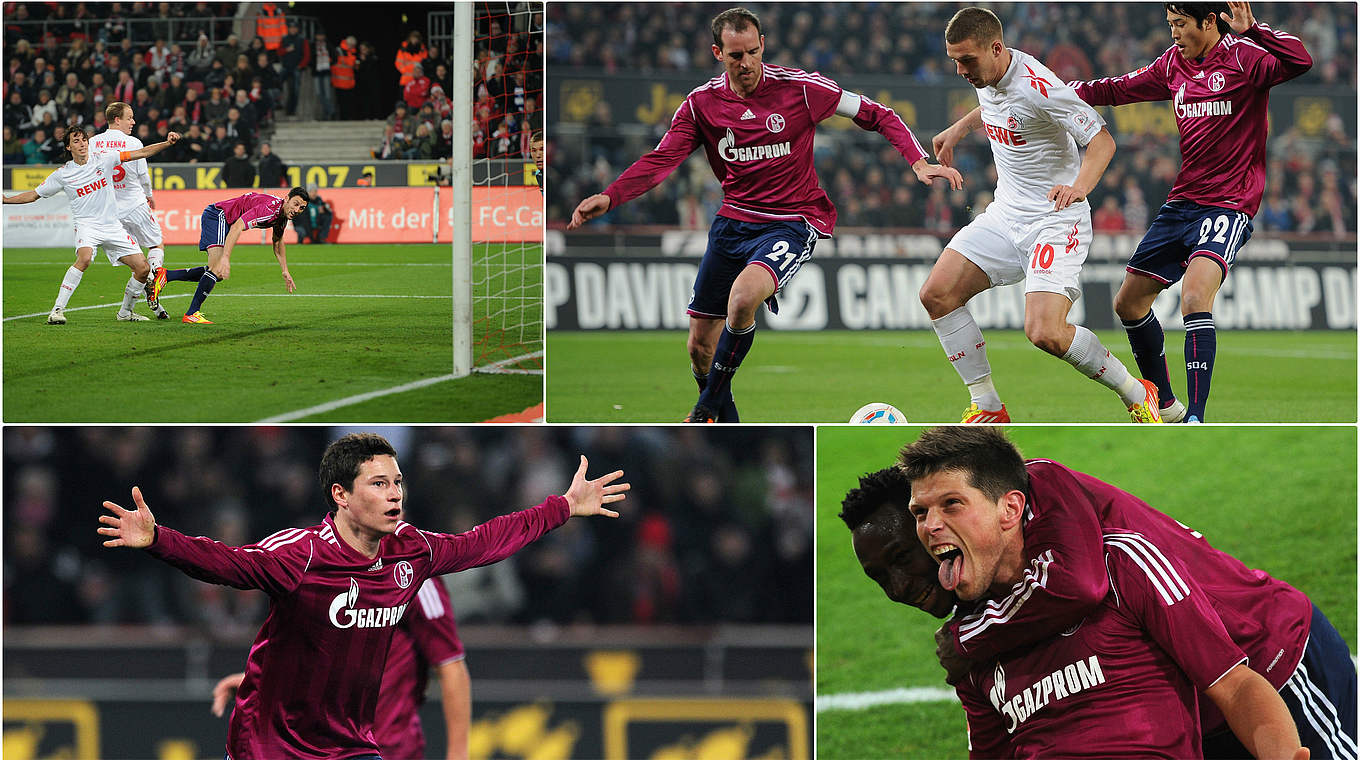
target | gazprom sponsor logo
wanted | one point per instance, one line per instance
(730, 151)
(1196, 110)
(1072, 678)
(345, 614)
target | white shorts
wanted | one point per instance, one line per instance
(141, 225)
(1046, 252)
(112, 238)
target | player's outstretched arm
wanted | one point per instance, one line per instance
(1098, 154)
(280, 253)
(588, 209)
(1257, 715)
(27, 196)
(223, 690)
(135, 529)
(150, 150)
(943, 143)
(587, 497)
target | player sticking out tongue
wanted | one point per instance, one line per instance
(951, 565)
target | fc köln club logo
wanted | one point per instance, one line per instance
(775, 123)
(402, 572)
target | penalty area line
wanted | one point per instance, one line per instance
(865, 699)
(339, 403)
(230, 295)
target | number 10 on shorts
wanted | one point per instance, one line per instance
(1043, 256)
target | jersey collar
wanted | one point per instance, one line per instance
(1008, 78)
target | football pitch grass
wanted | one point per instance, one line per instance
(825, 376)
(1280, 498)
(366, 337)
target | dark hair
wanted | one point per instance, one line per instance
(887, 486)
(1201, 11)
(977, 24)
(992, 463)
(280, 222)
(66, 141)
(340, 464)
(738, 19)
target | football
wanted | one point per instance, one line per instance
(878, 414)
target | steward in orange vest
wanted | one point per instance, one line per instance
(342, 69)
(409, 54)
(270, 26)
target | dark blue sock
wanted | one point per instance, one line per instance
(732, 348)
(1149, 343)
(1201, 343)
(205, 286)
(192, 274)
(728, 412)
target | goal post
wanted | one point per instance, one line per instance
(461, 188)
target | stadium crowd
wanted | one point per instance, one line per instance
(183, 68)
(1311, 184)
(717, 528)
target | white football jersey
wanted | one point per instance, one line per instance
(1034, 122)
(131, 181)
(90, 188)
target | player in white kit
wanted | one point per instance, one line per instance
(1038, 228)
(132, 189)
(87, 180)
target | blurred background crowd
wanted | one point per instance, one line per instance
(1311, 176)
(222, 76)
(717, 527)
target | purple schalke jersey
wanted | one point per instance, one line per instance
(760, 146)
(313, 674)
(1221, 104)
(1067, 515)
(257, 209)
(1122, 682)
(426, 637)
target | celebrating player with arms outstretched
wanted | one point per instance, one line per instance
(756, 123)
(132, 188)
(337, 590)
(223, 223)
(1038, 229)
(1220, 85)
(85, 180)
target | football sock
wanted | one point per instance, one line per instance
(1093, 360)
(1201, 343)
(728, 412)
(156, 258)
(193, 274)
(205, 286)
(732, 348)
(134, 288)
(1148, 343)
(967, 351)
(69, 283)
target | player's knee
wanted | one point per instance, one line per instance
(700, 354)
(1045, 337)
(938, 301)
(1127, 307)
(1197, 299)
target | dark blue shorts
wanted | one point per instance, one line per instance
(1184, 230)
(213, 228)
(779, 247)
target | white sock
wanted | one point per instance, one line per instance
(1093, 360)
(156, 258)
(133, 289)
(967, 351)
(69, 283)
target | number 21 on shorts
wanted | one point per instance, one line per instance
(782, 257)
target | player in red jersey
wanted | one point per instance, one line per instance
(426, 637)
(337, 591)
(1218, 74)
(1068, 517)
(756, 123)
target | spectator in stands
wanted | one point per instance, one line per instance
(68, 89)
(1108, 218)
(40, 70)
(444, 147)
(291, 61)
(178, 122)
(200, 58)
(416, 90)
(423, 144)
(193, 144)
(323, 57)
(79, 111)
(45, 105)
(193, 107)
(217, 76)
(215, 107)
(237, 129)
(272, 168)
(249, 115)
(141, 105)
(158, 58)
(344, 72)
(14, 147)
(124, 90)
(400, 120)
(228, 51)
(19, 83)
(242, 72)
(173, 94)
(439, 103)
(18, 116)
(237, 171)
(313, 225)
(409, 54)
(37, 148)
(393, 145)
(218, 147)
(369, 71)
(503, 142)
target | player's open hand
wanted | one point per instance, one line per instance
(223, 690)
(135, 529)
(172, 138)
(587, 497)
(926, 173)
(1238, 17)
(588, 209)
(288, 281)
(1064, 196)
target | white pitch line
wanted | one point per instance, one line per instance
(865, 699)
(332, 405)
(383, 264)
(232, 295)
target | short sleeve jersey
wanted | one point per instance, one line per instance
(256, 209)
(131, 178)
(1034, 123)
(89, 186)
(1122, 682)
